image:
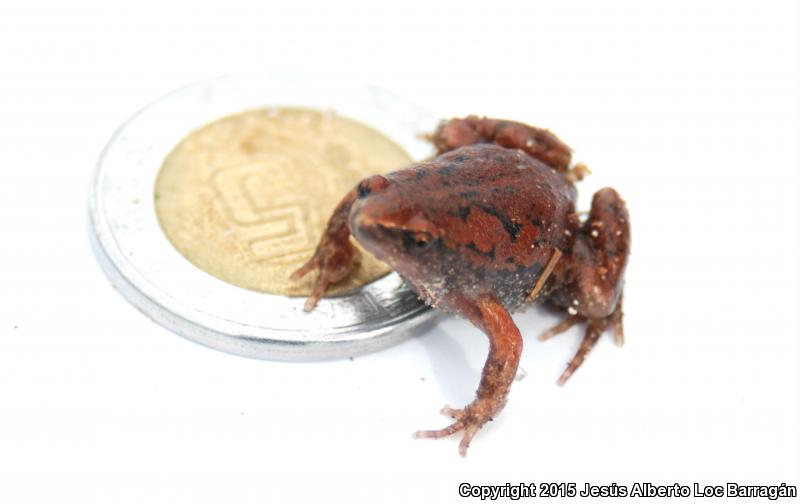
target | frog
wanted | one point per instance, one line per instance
(485, 226)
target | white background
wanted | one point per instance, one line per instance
(689, 109)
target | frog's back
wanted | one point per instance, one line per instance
(518, 194)
(501, 211)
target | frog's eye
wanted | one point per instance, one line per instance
(419, 240)
(376, 183)
(363, 190)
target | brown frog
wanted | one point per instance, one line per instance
(487, 225)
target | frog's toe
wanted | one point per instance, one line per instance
(470, 428)
(334, 265)
(319, 290)
(320, 284)
(561, 327)
(594, 328)
(469, 420)
(616, 324)
(451, 429)
(455, 413)
(469, 433)
(305, 269)
(451, 412)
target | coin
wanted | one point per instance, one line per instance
(225, 308)
(246, 198)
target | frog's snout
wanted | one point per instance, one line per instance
(358, 219)
(366, 229)
(372, 226)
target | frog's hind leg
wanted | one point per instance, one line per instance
(592, 276)
(536, 142)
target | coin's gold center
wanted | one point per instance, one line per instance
(246, 198)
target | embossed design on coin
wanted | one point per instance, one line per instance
(245, 198)
(274, 234)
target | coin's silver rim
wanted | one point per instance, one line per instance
(152, 275)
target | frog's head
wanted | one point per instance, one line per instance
(389, 219)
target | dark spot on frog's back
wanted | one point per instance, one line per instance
(512, 228)
(504, 190)
(463, 212)
(448, 170)
(490, 254)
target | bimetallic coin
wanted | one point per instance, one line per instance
(246, 198)
(265, 196)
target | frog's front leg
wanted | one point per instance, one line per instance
(335, 256)
(498, 372)
(592, 277)
(536, 142)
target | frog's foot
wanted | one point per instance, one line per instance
(595, 327)
(335, 262)
(592, 276)
(536, 142)
(469, 420)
